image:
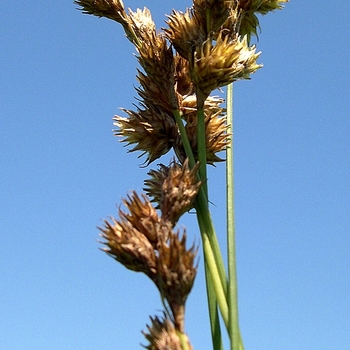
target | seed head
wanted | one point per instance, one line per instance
(249, 23)
(270, 5)
(177, 270)
(128, 246)
(219, 11)
(174, 189)
(142, 23)
(156, 58)
(223, 62)
(186, 30)
(150, 129)
(144, 242)
(112, 9)
(143, 216)
(162, 335)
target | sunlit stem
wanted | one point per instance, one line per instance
(213, 312)
(232, 298)
(183, 340)
(215, 266)
(201, 140)
(202, 209)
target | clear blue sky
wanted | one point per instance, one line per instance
(63, 76)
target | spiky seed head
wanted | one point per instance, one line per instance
(153, 94)
(271, 5)
(179, 190)
(153, 185)
(112, 9)
(185, 32)
(142, 216)
(174, 189)
(152, 131)
(249, 22)
(219, 63)
(219, 11)
(162, 335)
(176, 269)
(128, 246)
(156, 58)
(142, 23)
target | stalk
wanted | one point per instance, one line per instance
(234, 332)
(202, 143)
(215, 274)
(213, 312)
(201, 204)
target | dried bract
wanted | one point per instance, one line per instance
(183, 83)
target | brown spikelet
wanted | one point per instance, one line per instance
(176, 266)
(162, 335)
(143, 241)
(156, 58)
(174, 189)
(112, 9)
(128, 246)
(183, 83)
(186, 31)
(151, 130)
(222, 62)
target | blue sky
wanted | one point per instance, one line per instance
(63, 76)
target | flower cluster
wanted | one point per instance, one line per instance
(145, 241)
(201, 50)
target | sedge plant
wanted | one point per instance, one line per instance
(200, 50)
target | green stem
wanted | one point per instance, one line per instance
(213, 312)
(215, 278)
(207, 229)
(184, 138)
(183, 340)
(210, 248)
(201, 140)
(234, 332)
(201, 205)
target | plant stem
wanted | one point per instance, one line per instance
(184, 138)
(211, 249)
(183, 340)
(213, 312)
(201, 140)
(232, 297)
(202, 209)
